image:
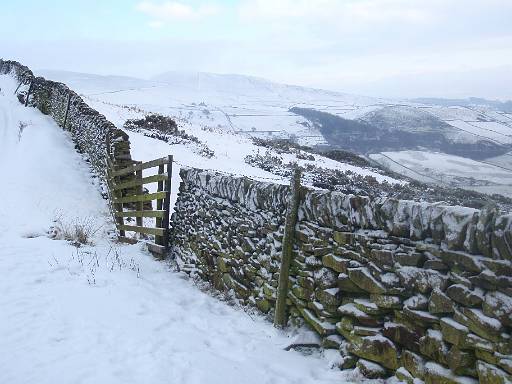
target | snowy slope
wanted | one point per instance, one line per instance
(224, 110)
(260, 108)
(180, 99)
(440, 168)
(107, 313)
(236, 103)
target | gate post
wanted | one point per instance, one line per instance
(288, 240)
(167, 203)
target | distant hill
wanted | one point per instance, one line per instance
(398, 128)
(504, 106)
(474, 128)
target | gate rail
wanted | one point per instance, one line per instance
(129, 200)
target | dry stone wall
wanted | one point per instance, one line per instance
(89, 129)
(421, 291)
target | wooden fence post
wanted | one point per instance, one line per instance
(18, 87)
(167, 203)
(159, 204)
(140, 204)
(286, 257)
(67, 111)
(107, 143)
(28, 93)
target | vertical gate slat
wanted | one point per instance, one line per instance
(159, 204)
(167, 202)
(140, 204)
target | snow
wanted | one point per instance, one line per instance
(350, 309)
(416, 301)
(234, 103)
(440, 168)
(454, 324)
(438, 370)
(109, 313)
(493, 131)
(488, 321)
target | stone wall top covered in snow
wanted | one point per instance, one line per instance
(484, 232)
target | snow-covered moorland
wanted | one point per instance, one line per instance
(199, 108)
(103, 312)
(225, 111)
(432, 167)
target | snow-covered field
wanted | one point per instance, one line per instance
(260, 108)
(432, 167)
(109, 313)
(229, 101)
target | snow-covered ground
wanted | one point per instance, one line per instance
(260, 108)
(229, 99)
(109, 313)
(433, 167)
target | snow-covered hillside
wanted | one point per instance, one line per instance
(225, 111)
(104, 312)
(261, 108)
(440, 168)
(210, 123)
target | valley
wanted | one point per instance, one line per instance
(226, 112)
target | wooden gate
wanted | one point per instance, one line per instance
(129, 200)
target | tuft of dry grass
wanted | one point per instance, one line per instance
(78, 232)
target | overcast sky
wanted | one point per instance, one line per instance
(399, 48)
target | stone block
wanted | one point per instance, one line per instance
(386, 301)
(501, 237)
(417, 302)
(325, 278)
(489, 374)
(465, 296)
(461, 362)
(437, 374)
(499, 306)
(440, 303)
(323, 328)
(453, 332)
(433, 346)
(347, 285)
(343, 238)
(464, 261)
(484, 326)
(414, 363)
(411, 259)
(364, 280)
(332, 342)
(336, 263)
(383, 258)
(377, 349)
(404, 376)
(421, 280)
(330, 297)
(371, 370)
(402, 335)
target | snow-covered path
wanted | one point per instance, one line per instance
(108, 313)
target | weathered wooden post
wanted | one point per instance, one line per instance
(167, 203)
(286, 257)
(28, 92)
(140, 204)
(18, 87)
(67, 111)
(159, 204)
